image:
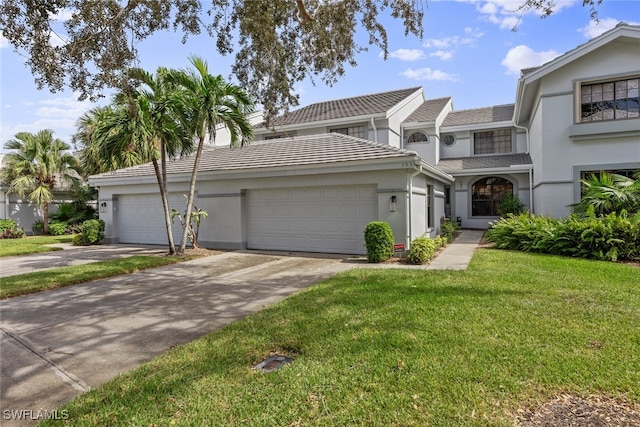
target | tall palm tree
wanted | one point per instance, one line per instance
(210, 102)
(140, 127)
(36, 165)
(85, 139)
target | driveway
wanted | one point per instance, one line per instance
(58, 344)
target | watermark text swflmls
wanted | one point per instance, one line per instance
(31, 415)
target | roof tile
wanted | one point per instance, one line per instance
(428, 111)
(497, 113)
(305, 150)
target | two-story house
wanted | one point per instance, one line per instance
(314, 178)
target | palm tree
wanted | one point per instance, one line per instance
(38, 163)
(210, 102)
(85, 140)
(140, 127)
(609, 192)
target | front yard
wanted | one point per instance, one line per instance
(401, 347)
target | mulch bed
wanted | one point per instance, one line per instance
(575, 411)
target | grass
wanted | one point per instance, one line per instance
(64, 276)
(31, 245)
(400, 347)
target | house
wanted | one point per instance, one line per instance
(316, 176)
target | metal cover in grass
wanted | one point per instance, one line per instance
(273, 363)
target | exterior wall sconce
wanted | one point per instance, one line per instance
(392, 204)
(103, 205)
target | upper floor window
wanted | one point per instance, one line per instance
(273, 136)
(619, 99)
(492, 142)
(357, 131)
(417, 137)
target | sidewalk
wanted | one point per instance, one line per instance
(455, 256)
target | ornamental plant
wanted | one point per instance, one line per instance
(379, 240)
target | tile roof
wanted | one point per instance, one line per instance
(497, 113)
(428, 111)
(347, 107)
(483, 162)
(305, 150)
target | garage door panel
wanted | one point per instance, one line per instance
(314, 219)
(140, 218)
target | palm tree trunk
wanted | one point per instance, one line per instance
(45, 216)
(192, 191)
(165, 205)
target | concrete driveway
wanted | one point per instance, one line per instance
(58, 344)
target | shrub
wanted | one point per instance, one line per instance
(58, 228)
(511, 204)
(10, 230)
(38, 227)
(73, 213)
(440, 241)
(379, 240)
(611, 237)
(448, 230)
(92, 232)
(422, 250)
(7, 224)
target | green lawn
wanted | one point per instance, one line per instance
(64, 276)
(400, 347)
(31, 245)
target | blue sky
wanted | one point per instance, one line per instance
(468, 52)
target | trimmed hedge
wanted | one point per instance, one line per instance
(612, 237)
(58, 228)
(379, 240)
(424, 248)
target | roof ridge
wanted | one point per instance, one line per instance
(363, 96)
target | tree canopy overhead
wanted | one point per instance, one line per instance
(87, 45)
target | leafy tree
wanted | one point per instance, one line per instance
(209, 102)
(36, 165)
(279, 42)
(607, 193)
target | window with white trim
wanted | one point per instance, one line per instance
(612, 100)
(357, 131)
(417, 137)
(492, 142)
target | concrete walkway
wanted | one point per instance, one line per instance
(458, 254)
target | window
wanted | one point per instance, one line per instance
(417, 137)
(276, 136)
(492, 142)
(614, 100)
(357, 131)
(448, 140)
(486, 195)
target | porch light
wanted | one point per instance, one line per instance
(392, 204)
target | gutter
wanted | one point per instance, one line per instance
(375, 131)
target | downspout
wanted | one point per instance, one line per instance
(526, 131)
(410, 205)
(375, 130)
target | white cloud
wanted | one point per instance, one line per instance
(428, 74)
(407, 54)
(507, 14)
(523, 56)
(445, 55)
(594, 29)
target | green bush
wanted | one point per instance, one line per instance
(448, 230)
(38, 227)
(58, 228)
(612, 237)
(422, 250)
(10, 230)
(73, 213)
(92, 232)
(440, 241)
(7, 224)
(511, 204)
(379, 240)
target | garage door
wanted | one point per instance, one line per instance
(311, 219)
(140, 218)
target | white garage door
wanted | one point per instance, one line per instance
(311, 219)
(140, 218)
